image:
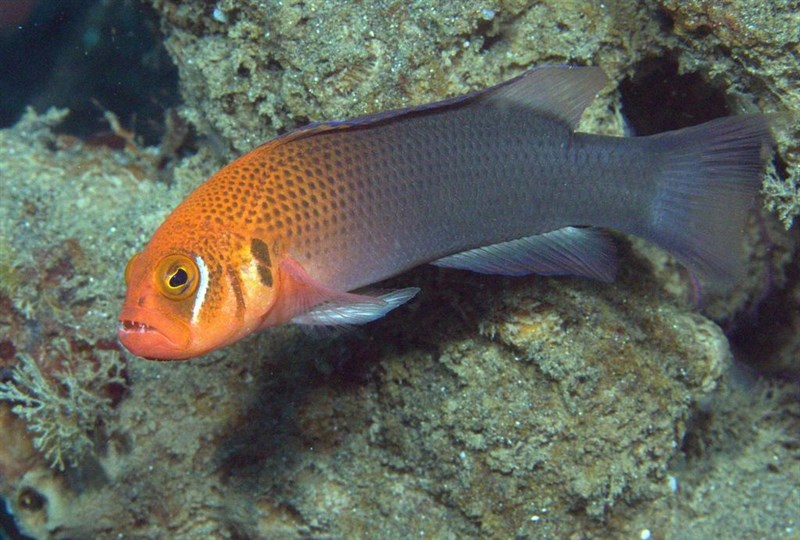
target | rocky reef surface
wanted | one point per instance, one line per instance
(491, 407)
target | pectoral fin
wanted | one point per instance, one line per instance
(349, 308)
(308, 302)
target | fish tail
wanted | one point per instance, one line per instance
(708, 181)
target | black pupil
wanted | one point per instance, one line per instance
(178, 278)
(30, 499)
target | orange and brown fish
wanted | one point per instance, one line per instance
(496, 181)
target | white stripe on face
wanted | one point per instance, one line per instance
(202, 288)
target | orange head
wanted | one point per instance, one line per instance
(210, 274)
(193, 289)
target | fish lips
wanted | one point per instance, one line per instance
(153, 335)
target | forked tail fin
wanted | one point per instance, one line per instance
(709, 177)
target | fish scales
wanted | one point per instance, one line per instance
(386, 198)
(497, 181)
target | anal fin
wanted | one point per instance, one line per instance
(586, 252)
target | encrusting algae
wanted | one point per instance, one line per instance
(490, 407)
(66, 399)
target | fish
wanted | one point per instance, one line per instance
(497, 181)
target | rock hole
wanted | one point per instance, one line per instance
(657, 98)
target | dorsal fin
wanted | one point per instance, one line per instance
(562, 92)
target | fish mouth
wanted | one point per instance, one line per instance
(135, 326)
(153, 335)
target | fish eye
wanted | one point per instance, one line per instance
(176, 277)
(129, 268)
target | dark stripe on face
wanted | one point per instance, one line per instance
(266, 275)
(237, 290)
(260, 252)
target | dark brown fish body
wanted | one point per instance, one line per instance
(429, 185)
(497, 181)
(433, 185)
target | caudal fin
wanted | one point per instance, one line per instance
(709, 177)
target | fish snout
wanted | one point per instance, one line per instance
(154, 335)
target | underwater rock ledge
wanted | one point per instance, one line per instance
(487, 403)
(491, 407)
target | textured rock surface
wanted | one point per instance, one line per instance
(491, 407)
(251, 70)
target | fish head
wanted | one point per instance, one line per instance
(181, 303)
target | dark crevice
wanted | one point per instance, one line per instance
(8, 528)
(657, 98)
(90, 57)
(491, 41)
(761, 335)
(665, 21)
